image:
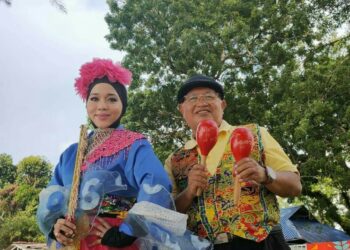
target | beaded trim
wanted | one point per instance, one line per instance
(117, 141)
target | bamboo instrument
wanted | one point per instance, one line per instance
(73, 198)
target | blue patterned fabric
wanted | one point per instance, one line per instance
(121, 174)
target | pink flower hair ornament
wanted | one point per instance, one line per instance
(97, 69)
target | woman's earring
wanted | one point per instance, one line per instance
(89, 124)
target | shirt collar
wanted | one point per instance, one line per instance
(224, 128)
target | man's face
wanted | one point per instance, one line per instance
(201, 104)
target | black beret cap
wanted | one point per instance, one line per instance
(199, 81)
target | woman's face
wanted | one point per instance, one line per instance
(103, 105)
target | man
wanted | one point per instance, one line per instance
(266, 173)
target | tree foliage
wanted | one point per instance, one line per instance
(7, 170)
(20, 227)
(19, 199)
(7, 203)
(33, 171)
(282, 65)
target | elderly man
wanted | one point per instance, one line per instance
(266, 173)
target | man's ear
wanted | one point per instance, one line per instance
(223, 105)
(180, 108)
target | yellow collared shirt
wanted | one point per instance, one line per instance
(276, 158)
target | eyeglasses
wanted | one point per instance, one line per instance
(208, 98)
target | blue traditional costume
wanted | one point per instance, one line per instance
(119, 166)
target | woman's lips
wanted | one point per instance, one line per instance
(102, 117)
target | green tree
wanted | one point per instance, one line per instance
(19, 201)
(282, 66)
(20, 227)
(7, 204)
(26, 198)
(14, 198)
(7, 170)
(33, 174)
(34, 171)
(316, 113)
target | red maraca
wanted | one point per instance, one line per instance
(242, 141)
(206, 136)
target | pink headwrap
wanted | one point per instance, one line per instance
(99, 68)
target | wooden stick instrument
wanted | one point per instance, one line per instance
(73, 198)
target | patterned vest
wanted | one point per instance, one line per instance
(213, 212)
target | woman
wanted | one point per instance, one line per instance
(119, 168)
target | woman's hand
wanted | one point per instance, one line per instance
(64, 231)
(100, 227)
(108, 235)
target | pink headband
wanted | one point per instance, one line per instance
(99, 68)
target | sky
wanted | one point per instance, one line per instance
(41, 51)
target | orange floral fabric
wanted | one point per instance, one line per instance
(339, 245)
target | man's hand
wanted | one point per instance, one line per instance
(286, 184)
(248, 170)
(197, 179)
